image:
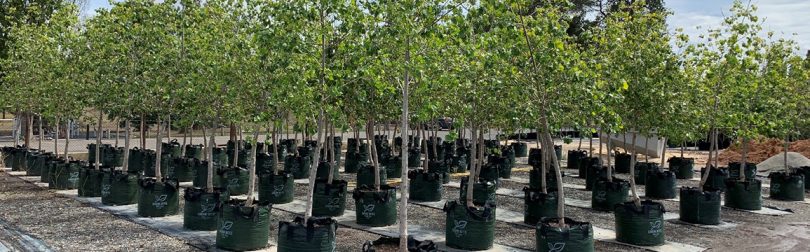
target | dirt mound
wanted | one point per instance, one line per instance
(760, 150)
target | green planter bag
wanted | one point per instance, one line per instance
(20, 162)
(469, 228)
(220, 156)
(354, 161)
(149, 164)
(158, 199)
(483, 192)
(594, 173)
(607, 194)
(414, 157)
(682, 167)
(787, 186)
(574, 156)
(323, 171)
(365, 175)
(717, 179)
(490, 172)
(660, 185)
(90, 181)
(700, 207)
(393, 167)
(172, 147)
(734, 170)
(538, 205)
(439, 167)
(375, 208)
(65, 176)
(201, 208)
(425, 186)
(112, 157)
(622, 163)
(119, 188)
(265, 163)
(743, 195)
(458, 163)
(329, 199)
(201, 171)
(501, 164)
(40, 164)
(276, 189)
(642, 226)
(236, 180)
(642, 168)
(242, 228)
(299, 166)
(587, 163)
(806, 171)
(136, 160)
(50, 168)
(576, 237)
(535, 178)
(183, 169)
(317, 235)
(521, 149)
(31, 163)
(194, 151)
(535, 157)
(91, 152)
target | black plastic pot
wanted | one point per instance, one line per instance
(242, 228)
(184, 169)
(323, 171)
(682, 167)
(201, 171)
(375, 208)
(194, 151)
(39, 164)
(356, 159)
(113, 157)
(329, 199)
(299, 166)
(642, 168)
(20, 162)
(91, 152)
(642, 226)
(414, 157)
(586, 163)
(787, 186)
(158, 198)
(201, 208)
(660, 185)
(622, 163)
(236, 180)
(806, 171)
(317, 235)
(119, 188)
(365, 175)
(535, 178)
(489, 172)
(50, 168)
(172, 147)
(717, 179)
(535, 157)
(521, 149)
(700, 207)
(469, 228)
(65, 175)
(483, 192)
(149, 164)
(606, 194)
(265, 163)
(425, 186)
(276, 189)
(576, 236)
(439, 167)
(136, 160)
(593, 174)
(90, 181)
(393, 167)
(743, 195)
(220, 156)
(458, 163)
(538, 205)
(574, 156)
(734, 170)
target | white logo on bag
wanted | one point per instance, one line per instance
(105, 190)
(207, 209)
(556, 247)
(278, 190)
(460, 228)
(600, 196)
(74, 177)
(334, 203)
(234, 182)
(160, 201)
(226, 229)
(656, 227)
(775, 188)
(368, 211)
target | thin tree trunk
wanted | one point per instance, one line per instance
(117, 130)
(169, 128)
(67, 138)
(787, 143)
(544, 166)
(98, 142)
(600, 146)
(683, 145)
(275, 151)
(183, 148)
(143, 133)
(235, 149)
(474, 161)
(17, 128)
(664, 153)
(636, 200)
(41, 135)
(403, 153)
(744, 157)
(376, 165)
(252, 169)
(126, 147)
(590, 145)
(55, 138)
(29, 129)
(481, 148)
(158, 147)
(609, 167)
(708, 168)
(314, 168)
(206, 143)
(426, 163)
(646, 146)
(209, 180)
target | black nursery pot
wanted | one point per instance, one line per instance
(483, 192)
(365, 175)
(158, 198)
(329, 199)
(355, 159)
(119, 188)
(469, 228)
(317, 235)
(90, 181)
(538, 205)
(441, 168)
(65, 175)
(682, 167)
(521, 149)
(236, 180)
(594, 173)
(787, 186)
(194, 151)
(414, 157)
(276, 188)
(201, 208)
(201, 171)
(660, 185)
(375, 208)
(642, 168)
(323, 171)
(746, 195)
(606, 194)
(242, 228)
(586, 163)
(574, 157)
(393, 167)
(535, 157)
(643, 226)
(717, 178)
(183, 169)
(425, 186)
(734, 170)
(700, 207)
(806, 171)
(576, 236)
(299, 166)
(535, 178)
(623, 163)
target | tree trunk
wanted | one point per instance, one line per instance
(373, 147)
(314, 168)
(117, 130)
(67, 138)
(55, 138)
(590, 145)
(126, 147)
(474, 161)
(169, 128)
(183, 147)
(426, 163)
(403, 153)
(252, 170)
(636, 200)
(235, 149)
(209, 180)
(158, 148)
(275, 151)
(787, 143)
(17, 128)
(97, 162)
(232, 132)
(664, 153)
(609, 149)
(744, 157)
(712, 147)
(143, 133)
(543, 167)
(41, 135)
(646, 145)
(29, 129)
(600, 146)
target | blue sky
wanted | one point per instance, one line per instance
(783, 17)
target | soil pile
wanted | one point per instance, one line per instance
(760, 150)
